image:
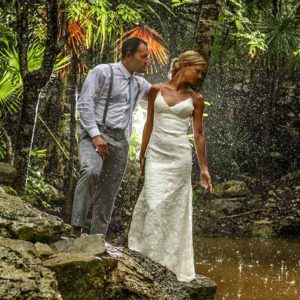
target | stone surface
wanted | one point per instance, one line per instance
(89, 244)
(231, 188)
(43, 249)
(122, 274)
(21, 274)
(83, 268)
(228, 205)
(7, 173)
(20, 220)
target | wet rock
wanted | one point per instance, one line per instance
(122, 274)
(43, 249)
(232, 188)
(89, 244)
(20, 220)
(228, 205)
(79, 276)
(21, 274)
(7, 173)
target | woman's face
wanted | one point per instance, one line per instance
(193, 73)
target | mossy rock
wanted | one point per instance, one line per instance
(263, 229)
(7, 173)
(232, 188)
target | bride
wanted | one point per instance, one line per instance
(161, 226)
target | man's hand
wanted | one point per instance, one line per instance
(100, 146)
(205, 181)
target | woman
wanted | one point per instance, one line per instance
(161, 226)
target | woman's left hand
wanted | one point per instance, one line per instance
(205, 181)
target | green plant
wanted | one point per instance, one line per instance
(38, 191)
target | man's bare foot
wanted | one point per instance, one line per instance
(76, 231)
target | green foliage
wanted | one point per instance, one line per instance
(273, 38)
(37, 190)
(11, 81)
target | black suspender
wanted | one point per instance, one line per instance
(108, 94)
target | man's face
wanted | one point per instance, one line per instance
(140, 59)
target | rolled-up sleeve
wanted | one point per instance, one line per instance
(92, 87)
(144, 88)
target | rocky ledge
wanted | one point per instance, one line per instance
(37, 264)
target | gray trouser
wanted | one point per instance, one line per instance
(99, 180)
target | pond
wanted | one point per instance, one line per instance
(250, 269)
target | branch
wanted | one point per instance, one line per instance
(242, 214)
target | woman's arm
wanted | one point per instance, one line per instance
(149, 122)
(199, 140)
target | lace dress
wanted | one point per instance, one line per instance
(161, 226)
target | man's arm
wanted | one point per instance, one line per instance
(92, 87)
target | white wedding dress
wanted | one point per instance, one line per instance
(161, 226)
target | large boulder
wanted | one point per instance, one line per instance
(21, 274)
(20, 220)
(7, 173)
(119, 273)
(82, 268)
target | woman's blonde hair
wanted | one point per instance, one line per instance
(189, 57)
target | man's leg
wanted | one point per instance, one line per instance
(110, 180)
(87, 187)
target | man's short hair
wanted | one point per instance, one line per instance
(131, 45)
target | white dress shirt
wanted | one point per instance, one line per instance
(93, 96)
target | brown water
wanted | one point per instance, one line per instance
(250, 269)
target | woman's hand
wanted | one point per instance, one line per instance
(205, 181)
(142, 162)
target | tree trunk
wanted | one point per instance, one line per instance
(32, 82)
(69, 174)
(206, 27)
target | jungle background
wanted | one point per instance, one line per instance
(252, 92)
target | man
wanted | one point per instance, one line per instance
(106, 104)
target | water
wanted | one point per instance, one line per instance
(250, 269)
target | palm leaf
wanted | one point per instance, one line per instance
(158, 52)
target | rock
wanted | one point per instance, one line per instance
(79, 276)
(20, 220)
(122, 274)
(228, 205)
(89, 244)
(43, 249)
(7, 173)
(21, 274)
(231, 188)
(82, 268)
(263, 229)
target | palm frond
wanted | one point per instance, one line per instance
(158, 52)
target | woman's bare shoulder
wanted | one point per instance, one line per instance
(198, 99)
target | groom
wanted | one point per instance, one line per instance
(106, 105)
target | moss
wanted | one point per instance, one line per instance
(263, 231)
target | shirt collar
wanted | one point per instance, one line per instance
(124, 71)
